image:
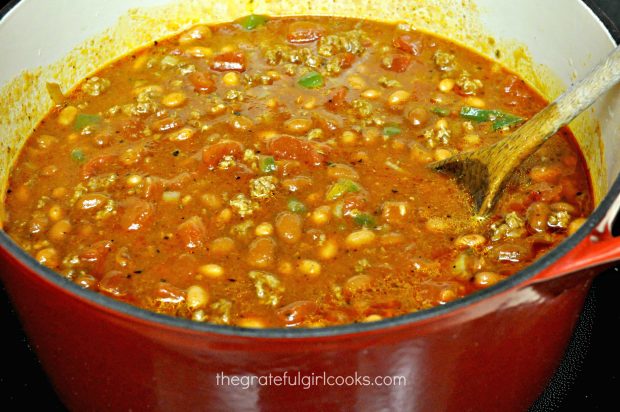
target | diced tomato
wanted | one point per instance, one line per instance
(545, 192)
(212, 155)
(185, 264)
(385, 308)
(166, 124)
(337, 98)
(396, 213)
(168, 295)
(86, 281)
(97, 164)
(153, 187)
(202, 82)
(179, 181)
(397, 62)
(569, 188)
(165, 298)
(192, 233)
(510, 252)
(517, 89)
(96, 252)
(136, 214)
(327, 121)
(409, 44)
(420, 264)
(511, 84)
(304, 32)
(94, 256)
(516, 202)
(289, 147)
(133, 127)
(353, 203)
(347, 60)
(295, 313)
(117, 284)
(229, 62)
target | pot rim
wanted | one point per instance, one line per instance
(130, 312)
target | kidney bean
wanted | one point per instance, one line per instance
(231, 61)
(202, 82)
(537, 215)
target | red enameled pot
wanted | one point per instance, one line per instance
(492, 351)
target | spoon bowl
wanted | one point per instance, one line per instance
(484, 172)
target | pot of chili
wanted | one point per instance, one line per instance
(240, 216)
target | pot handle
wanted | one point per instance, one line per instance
(598, 249)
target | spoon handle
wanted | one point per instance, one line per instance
(566, 107)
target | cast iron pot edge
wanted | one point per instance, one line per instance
(124, 310)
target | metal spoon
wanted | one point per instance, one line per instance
(484, 172)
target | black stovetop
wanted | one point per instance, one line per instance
(587, 380)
